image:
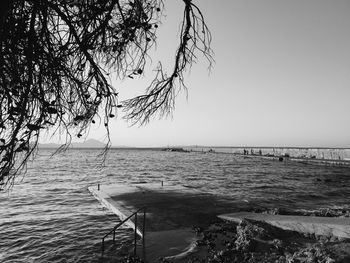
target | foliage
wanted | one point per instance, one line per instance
(55, 65)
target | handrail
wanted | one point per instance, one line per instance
(122, 222)
(135, 231)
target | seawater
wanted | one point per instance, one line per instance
(49, 215)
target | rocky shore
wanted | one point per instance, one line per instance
(258, 242)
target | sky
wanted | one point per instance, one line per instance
(281, 78)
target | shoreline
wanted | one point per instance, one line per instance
(259, 242)
(177, 233)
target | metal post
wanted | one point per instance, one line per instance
(143, 235)
(135, 234)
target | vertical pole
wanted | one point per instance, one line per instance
(143, 235)
(162, 183)
(103, 245)
(98, 187)
(114, 236)
(135, 234)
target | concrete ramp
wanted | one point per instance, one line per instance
(171, 212)
(327, 226)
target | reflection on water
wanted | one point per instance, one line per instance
(51, 217)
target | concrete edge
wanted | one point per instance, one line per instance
(187, 251)
(318, 228)
(106, 201)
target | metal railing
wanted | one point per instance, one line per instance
(143, 209)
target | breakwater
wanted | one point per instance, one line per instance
(336, 156)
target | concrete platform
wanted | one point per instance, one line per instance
(171, 212)
(102, 194)
(328, 226)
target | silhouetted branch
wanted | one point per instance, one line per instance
(56, 58)
(160, 98)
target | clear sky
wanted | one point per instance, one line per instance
(281, 78)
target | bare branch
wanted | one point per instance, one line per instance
(55, 61)
(160, 98)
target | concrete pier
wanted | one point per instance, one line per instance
(171, 213)
(327, 226)
(103, 195)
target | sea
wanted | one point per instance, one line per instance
(50, 216)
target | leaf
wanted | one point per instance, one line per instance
(22, 147)
(79, 118)
(51, 110)
(33, 127)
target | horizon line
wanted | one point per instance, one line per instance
(200, 146)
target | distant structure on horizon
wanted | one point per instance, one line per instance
(336, 154)
(91, 143)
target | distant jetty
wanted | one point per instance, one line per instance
(175, 149)
(327, 156)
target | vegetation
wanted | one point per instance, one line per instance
(56, 62)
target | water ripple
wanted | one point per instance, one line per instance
(50, 216)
